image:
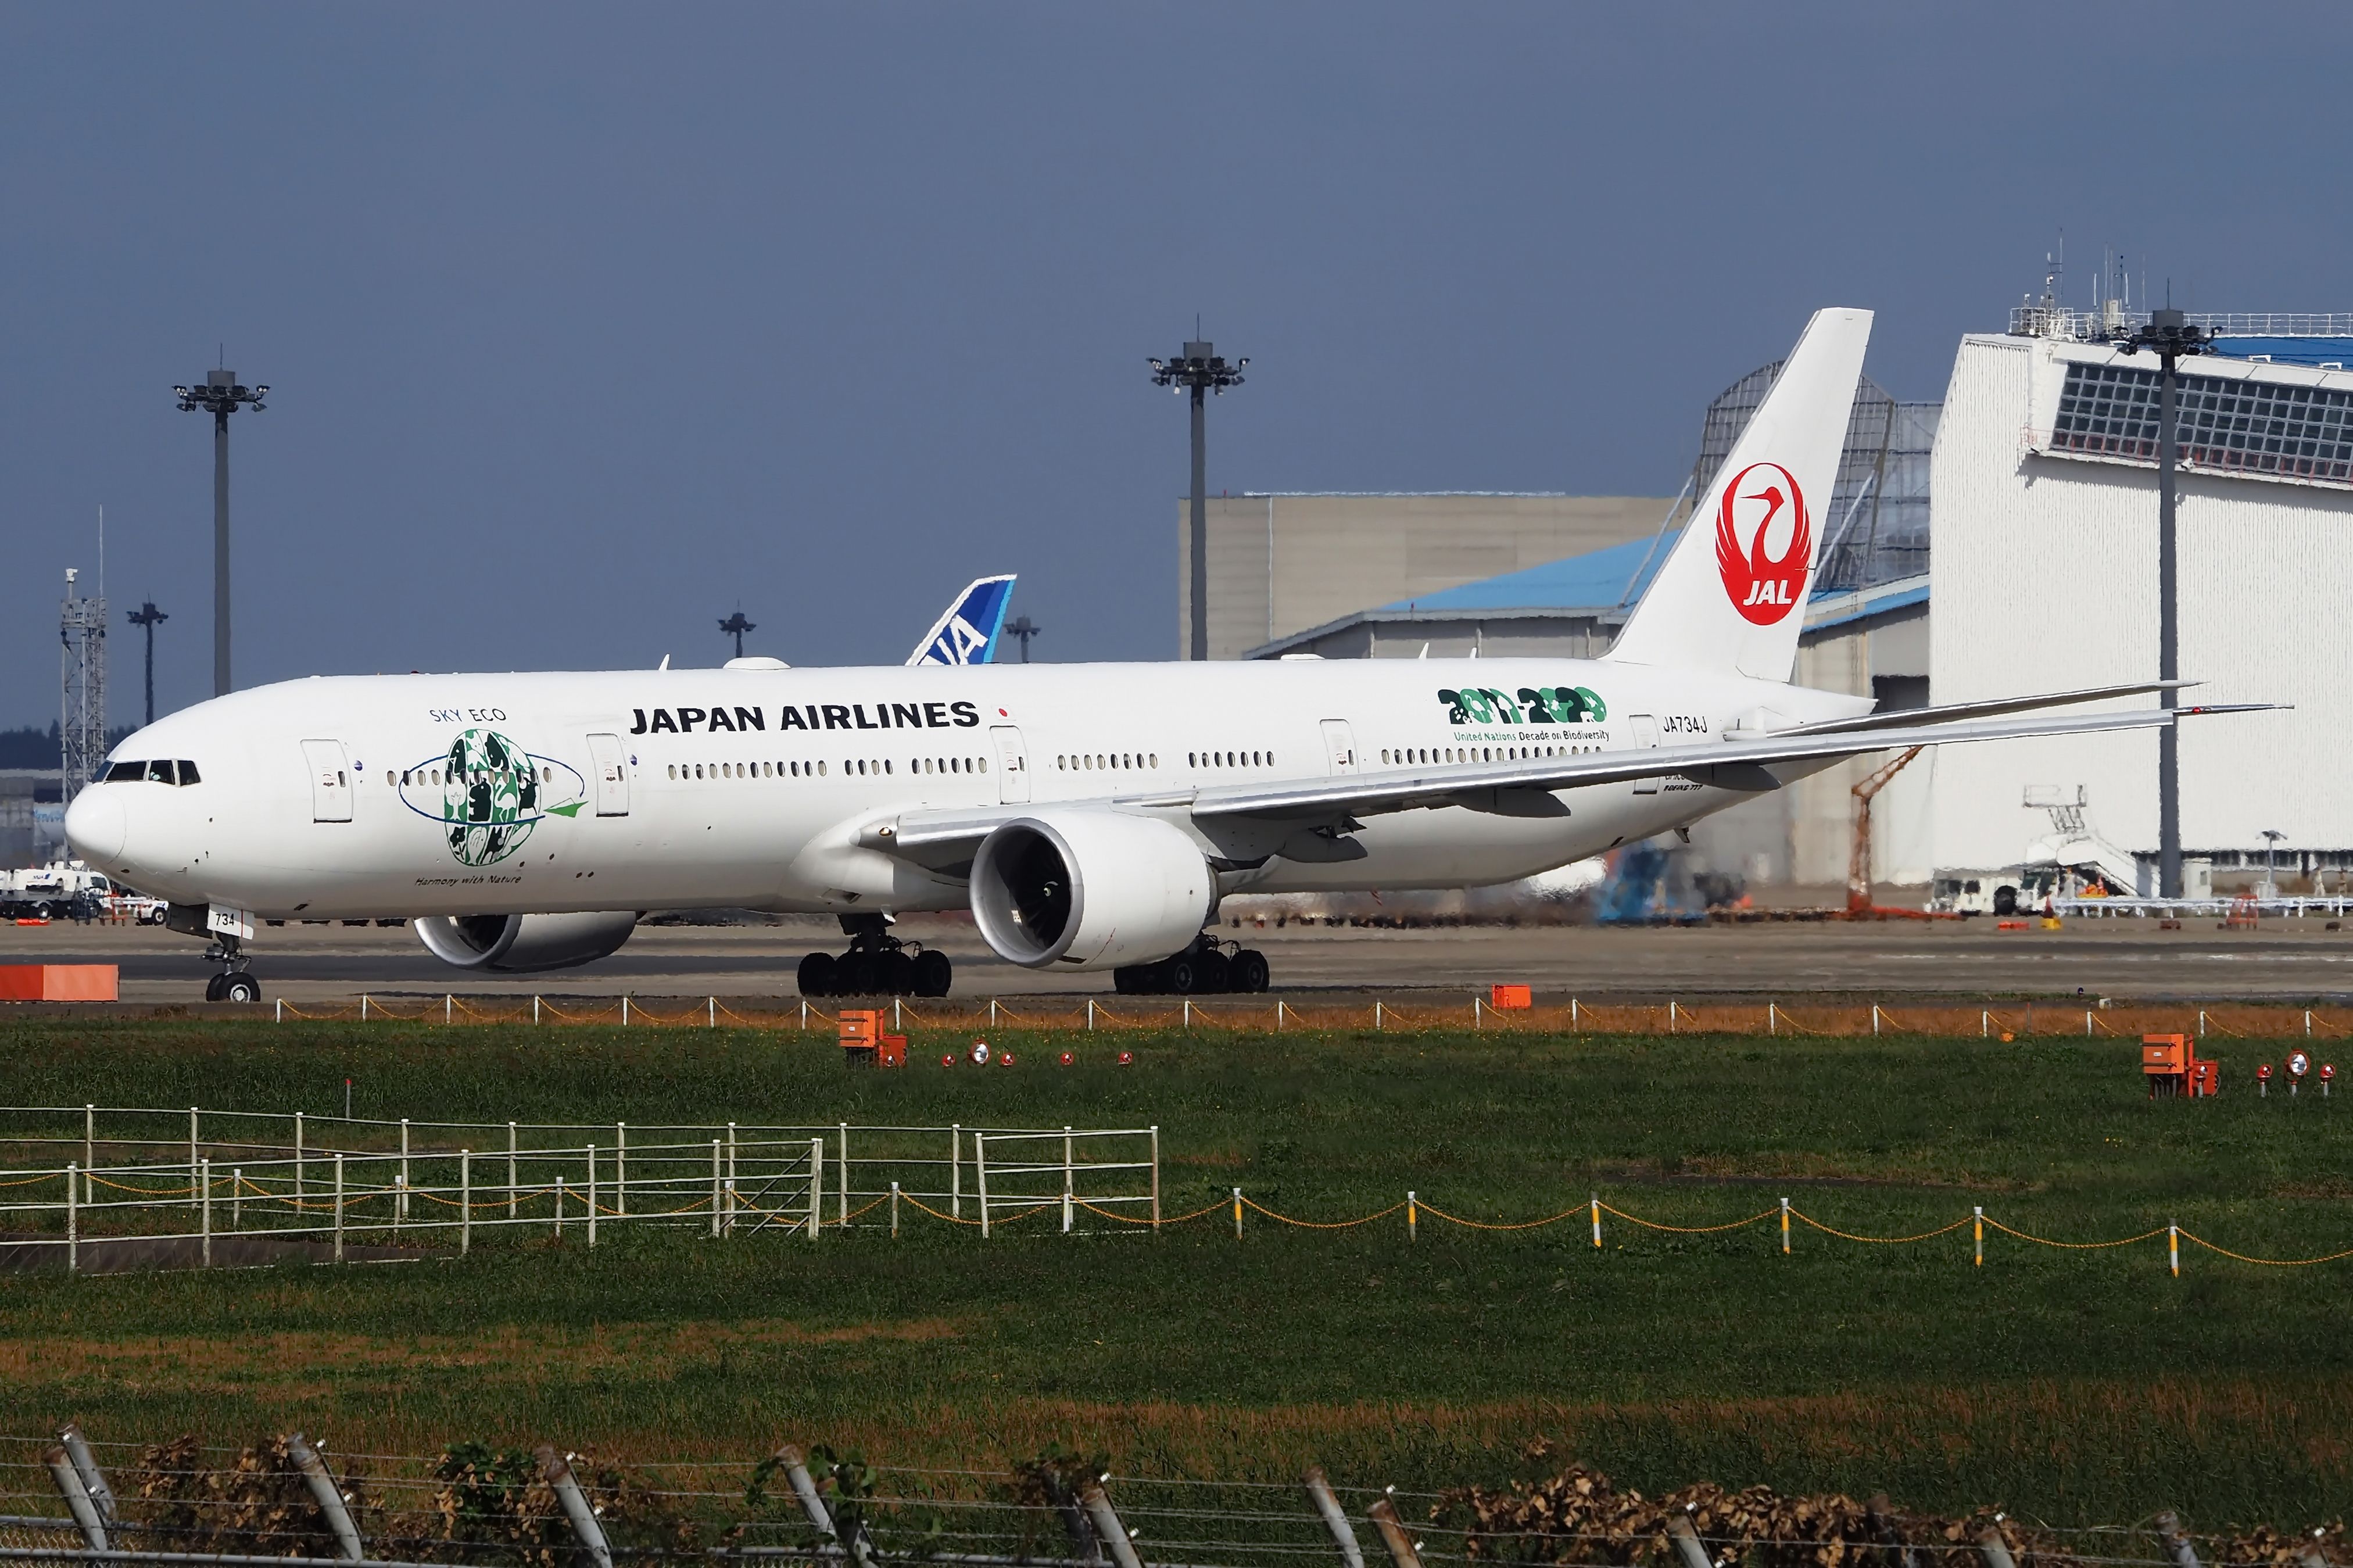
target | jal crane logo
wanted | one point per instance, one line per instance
(1763, 504)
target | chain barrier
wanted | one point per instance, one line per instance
(1576, 1016)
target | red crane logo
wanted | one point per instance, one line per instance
(1764, 588)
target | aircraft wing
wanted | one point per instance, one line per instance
(966, 633)
(1992, 708)
(1523, 787)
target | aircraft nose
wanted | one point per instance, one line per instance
(96, 825)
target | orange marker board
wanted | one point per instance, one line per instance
(57, 982)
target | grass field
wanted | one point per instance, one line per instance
(2075, 1386)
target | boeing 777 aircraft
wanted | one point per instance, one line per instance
(1091, 816)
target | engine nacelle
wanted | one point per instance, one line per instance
(518, 944)
(1091, 889)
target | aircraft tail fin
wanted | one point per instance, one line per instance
(1732, 593)
(966, 632)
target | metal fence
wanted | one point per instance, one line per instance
(288, 1502)
(218, 1180)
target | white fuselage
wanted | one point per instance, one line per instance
(414, 795)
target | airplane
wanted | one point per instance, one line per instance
(966, 632)
(1090, 816)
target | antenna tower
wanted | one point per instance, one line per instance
(81, 724)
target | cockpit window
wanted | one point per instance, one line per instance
(161, 771)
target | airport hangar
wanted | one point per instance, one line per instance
(2033, 486)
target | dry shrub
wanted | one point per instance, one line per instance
(258, 1505)
(1577, 1517)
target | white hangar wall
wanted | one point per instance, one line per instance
(2046, 580)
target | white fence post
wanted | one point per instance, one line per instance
(592, 1194)
(206, 1201)
(980, 1176)
(620, 1170)
(301, 1165)
(236, 1200)
(73, 1223)
(841, 1180)
(404, 1168)
(956, 1170)
(715, 1189)
(192, 1145)
(1156, 1176)
(339, 1206)
(465, 1201)
(514, 1198)
(1066, 1181)
(816, 1184)
(89, 1148)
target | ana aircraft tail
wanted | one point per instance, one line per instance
(1732, 593)
(966, 633)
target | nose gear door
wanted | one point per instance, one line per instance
(611, 766)
(330, 781)
(1012, 764)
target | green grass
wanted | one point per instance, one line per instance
(2075, 1386)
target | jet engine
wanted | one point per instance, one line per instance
(518, 944)
(1092, 889)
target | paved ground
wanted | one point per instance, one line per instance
(2123, 960)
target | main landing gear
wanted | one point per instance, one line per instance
(234, 983)
(1206, 969)
(877, 964)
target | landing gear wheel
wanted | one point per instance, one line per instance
(1212, 970)
(213, 986)
(933, 973)
(1247, 970)
(898, 974)
(818, 974)
(854, 975)
(1185, 973)
(239, 986)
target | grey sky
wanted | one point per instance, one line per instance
(586, 325)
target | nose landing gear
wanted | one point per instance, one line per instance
(1207, 968)
(877, 964)
(236, 981)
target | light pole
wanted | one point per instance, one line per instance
(220, 396)
(1200, 370)
(2170, 337)
(1022, 626)
(736, 625)
(2272, 837)
(147, 618)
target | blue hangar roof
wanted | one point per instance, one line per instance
(1596, 581)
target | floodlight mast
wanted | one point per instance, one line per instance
(735, 626)
(1022, 626)
(220, 396)
(2170, 337)
(1201, 371)
(147, 618)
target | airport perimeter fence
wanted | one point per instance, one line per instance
(191, 1185)
(287, 1503)
(1276, 1015)
(371, 1197)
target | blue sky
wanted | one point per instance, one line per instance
(588, 323)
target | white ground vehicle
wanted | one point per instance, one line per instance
(61, 888)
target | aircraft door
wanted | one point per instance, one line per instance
(611, 766)
(1340, 746)
(1012, 764)
(1646, 734)
(330, 781)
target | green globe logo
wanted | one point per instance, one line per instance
(491, 791)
